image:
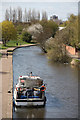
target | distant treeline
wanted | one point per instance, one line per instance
(18, 15)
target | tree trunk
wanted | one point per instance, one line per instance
(44, 50)
(4, 43)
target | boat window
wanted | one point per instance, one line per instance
(22, 83)
(22, 78)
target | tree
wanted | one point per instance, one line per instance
(19, 14)
(8, 32)
(42, 38)
(51, 25)
(49, 30)
(25, 16)
(26, 37)
(7, 15)
(10, 14)
(33, 18)
(14, 16)
(73, 30)
(56, 49)
(0, 32)
(38, 16)
(44, 15)
(29, 15)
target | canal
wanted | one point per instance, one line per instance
(61, 80)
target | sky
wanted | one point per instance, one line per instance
(61, 9)
(39, 0)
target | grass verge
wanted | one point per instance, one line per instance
(13, 43)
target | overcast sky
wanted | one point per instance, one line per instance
(39, 0)
(63, 10)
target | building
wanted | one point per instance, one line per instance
(55, 19)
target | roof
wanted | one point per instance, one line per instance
(61, 28)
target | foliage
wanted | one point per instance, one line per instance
(0, 31)
(26, 37)
(56, 49)
(42, 38)
(8, 32)
(20, 27)
(69, 35)
(49, 25)
(49, 30)
(64, 24)
(0, 55)
(13, 43)
(73, 30)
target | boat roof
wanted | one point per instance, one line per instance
(29, 77)
(31, 81)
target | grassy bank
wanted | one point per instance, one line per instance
(0, 55)
(13, 43)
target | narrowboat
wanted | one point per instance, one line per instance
(30, 91)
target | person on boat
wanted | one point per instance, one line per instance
(36, 89)
(29, 92)
(30, 74)
(18, 93)
(43, 88)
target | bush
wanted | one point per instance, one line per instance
(57, 56)
(26, 37)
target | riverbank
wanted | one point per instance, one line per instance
(6, 82)
(11, 49)
(75, 62)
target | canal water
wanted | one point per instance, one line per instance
(61, 80)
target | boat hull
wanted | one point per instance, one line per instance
(21, 102)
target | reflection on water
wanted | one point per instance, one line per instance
(61, 80)
(29, 112)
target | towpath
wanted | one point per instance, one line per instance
(6, 82)
(5, 86)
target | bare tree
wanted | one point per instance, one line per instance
(14, 16)
(7, 15)
(33, 15)
(19, 14)
(29, 15)
(44, 15)
(11, 14)
(38, 15)
(25, 16)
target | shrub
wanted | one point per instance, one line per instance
(26, 37)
